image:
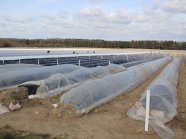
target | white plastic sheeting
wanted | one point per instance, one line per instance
(13, 54)
(95, 92)
(14, 78)
(133, 63)
(163, 101)
(59, 82)
(15, 67)
(3, 109)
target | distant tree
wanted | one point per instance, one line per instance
(6, 44)
(27, 41)
(144, 44)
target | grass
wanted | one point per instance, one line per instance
(7, 127)
(14, 96)
(7, 132)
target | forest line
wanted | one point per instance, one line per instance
(73, 43)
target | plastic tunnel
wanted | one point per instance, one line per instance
(14, 78)
(133, 63)
(95, 92)
(13, 67)
(58, 82)
(163, 101)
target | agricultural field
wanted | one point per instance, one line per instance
(93, 69)
(89, 94)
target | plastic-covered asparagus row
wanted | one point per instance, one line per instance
(15, 67)
(95, 92)
(163, 101)
(58, 82)
(14, 78)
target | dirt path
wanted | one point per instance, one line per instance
(108, 121)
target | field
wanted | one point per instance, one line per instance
(37, 120)
(93, 69)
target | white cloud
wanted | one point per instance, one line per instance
(175, 6)
(95, 16)
(154, 22)
(49, 16)
(184, 26)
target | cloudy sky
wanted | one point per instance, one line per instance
(94, 19)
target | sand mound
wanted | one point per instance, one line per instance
(14, 95)
(65, 111)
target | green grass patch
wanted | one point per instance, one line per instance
(7, 127)
(14, 96)
(7, 132)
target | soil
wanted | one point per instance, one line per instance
(14, 95)
(108, 121)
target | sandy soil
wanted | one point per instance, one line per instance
(108, 121)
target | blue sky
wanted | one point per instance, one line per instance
(35, 7)
(94, 19)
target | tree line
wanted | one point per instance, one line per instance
(60, 43)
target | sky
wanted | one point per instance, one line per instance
(123, 20)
